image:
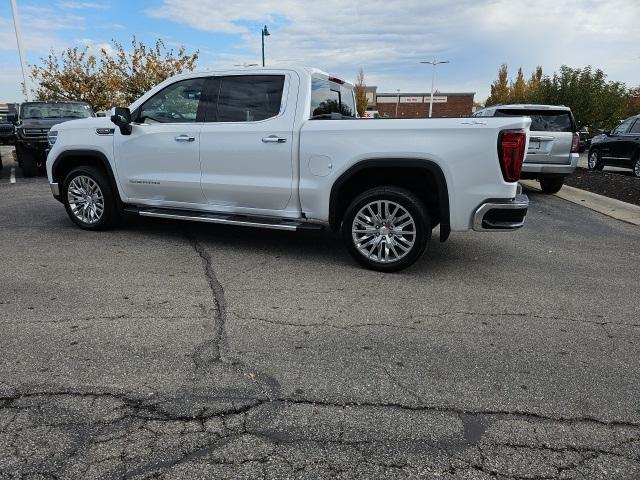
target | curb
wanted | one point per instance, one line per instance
(617, 209)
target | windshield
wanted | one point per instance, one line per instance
(3, 116)
(55, 110)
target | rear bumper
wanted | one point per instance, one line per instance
(501, 214)
(550, 168)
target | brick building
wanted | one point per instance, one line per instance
(416, 105)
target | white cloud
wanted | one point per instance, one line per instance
(83, 5)
(388, 38)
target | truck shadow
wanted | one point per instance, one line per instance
(321, 249)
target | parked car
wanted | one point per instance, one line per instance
(32, 126)
(619, 147)
(7, 136)
(554, 144)
(284, 149)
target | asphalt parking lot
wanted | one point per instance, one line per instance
(173, 350)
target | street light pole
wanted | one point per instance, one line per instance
(398, 102)
(434, 62)
(16, 25)
(265, 33)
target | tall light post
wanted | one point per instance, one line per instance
(398, 102)
(434, 62)
(265, 33)
(16, 25)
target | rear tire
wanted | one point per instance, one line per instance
(551, 185)
(89, 198)
(594, 162)
(386, 229)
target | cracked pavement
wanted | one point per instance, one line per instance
(172, 350)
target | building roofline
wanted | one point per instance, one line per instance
(425, 94)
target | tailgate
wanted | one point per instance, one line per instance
(549, 148)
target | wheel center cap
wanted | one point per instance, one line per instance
(385, 230)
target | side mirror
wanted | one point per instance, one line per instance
(121, 117)
(12, 116)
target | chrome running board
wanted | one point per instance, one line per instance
(225, 219)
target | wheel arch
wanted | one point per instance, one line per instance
(70, 159)
(395, 171)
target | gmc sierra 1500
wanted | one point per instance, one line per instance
(284, 149)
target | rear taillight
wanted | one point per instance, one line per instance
(575, 143)
(511, 145)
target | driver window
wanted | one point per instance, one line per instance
(177, 103)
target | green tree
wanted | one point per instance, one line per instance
(499, 88)
(108, 79)
(360, 90)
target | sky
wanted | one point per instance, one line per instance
(387, 39)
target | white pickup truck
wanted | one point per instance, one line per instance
(284, 149)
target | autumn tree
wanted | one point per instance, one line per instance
(499, 88)
(108, 78)
(518, 89)
(360, 90)
(595, 101)
(533, 84)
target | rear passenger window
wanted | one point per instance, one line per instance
(542, 120)
(249, 98)
(636, 127)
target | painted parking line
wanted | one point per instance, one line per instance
(12, 177)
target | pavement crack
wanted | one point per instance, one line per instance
(211, 351)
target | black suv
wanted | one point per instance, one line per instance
(619, 147)
(6, 127)
(32, 126)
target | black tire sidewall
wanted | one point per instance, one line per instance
(28, 164)
(551, 185)
(408, 201)
(110, 214)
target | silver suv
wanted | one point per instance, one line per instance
(553, 145)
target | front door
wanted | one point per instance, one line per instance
(246, 143)
(615, 153)
(159, 163)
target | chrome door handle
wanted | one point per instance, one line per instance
(185, 138)
(273, 139)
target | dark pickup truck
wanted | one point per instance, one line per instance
(32, 126)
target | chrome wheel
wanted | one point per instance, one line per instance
(85, 199)
(383, 231)
(593, 160)
(636, 168)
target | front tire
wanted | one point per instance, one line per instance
(551, 185)
(386, 229)
(26, 161)
(89, 198)
(636, 166)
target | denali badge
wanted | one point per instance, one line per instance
(146, 182)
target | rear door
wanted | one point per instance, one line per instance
(246, 142)
(551, 134)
